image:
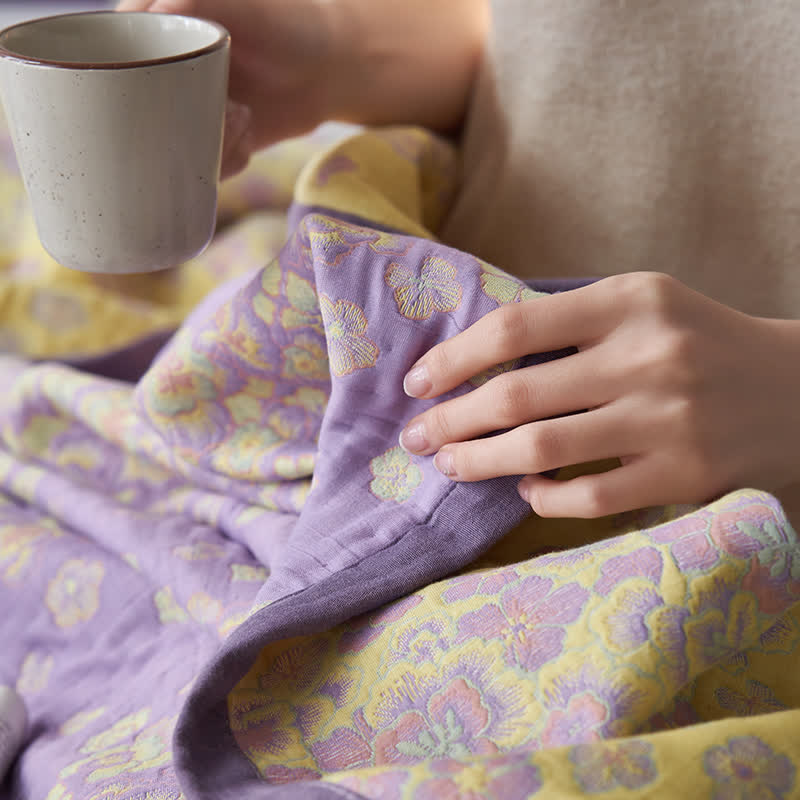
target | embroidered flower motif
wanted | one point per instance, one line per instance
(120, 731)
(779, 551)
(529, 620)
(73, 596)
(303, 310)
(423, 641)
(725, 623)
(78, 722)
(585, 707)
(782, 637)
(246, 573)
(580, 721)
(604, 766)
(263, 730)
(18, 544)
(247, 406)
(306, 359)
(569, 561)
(748, 769)
(168, 608)
(434, 289)
(199, 551)
(483, 582)
(116, 791)
(294, 467)
(504, 778)
(395, 476)
(246, 452)
(127, 746)
(313, 401)
(381, 782)
(59, 792)
(456, 718)
(645, 562)
(459, 710)
(624, 621)
(690, 544)
(504, 288)
(343, 749)
(324, 241)
(758, 698)
(152, 747)
(34, 674)
(204, 608)
(349, 348)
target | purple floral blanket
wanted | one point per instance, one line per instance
(221, 577)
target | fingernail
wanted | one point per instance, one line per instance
(417, 382)
(522, 489)
(443, 461)
(413, 439)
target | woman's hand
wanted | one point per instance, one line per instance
(694, 398)
(279, 60)
(297, 63)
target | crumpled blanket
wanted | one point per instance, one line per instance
(220, 576)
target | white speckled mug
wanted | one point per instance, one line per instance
(117, 122)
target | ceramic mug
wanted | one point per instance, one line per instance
(117, 122)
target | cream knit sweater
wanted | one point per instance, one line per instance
(615, 135)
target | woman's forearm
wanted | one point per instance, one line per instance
(405, 61)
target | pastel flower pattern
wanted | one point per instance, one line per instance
(511, 679)
(452, 724)
(305, 359)
(418, 296)
(502, 288)
(605, 766)
(394, 476)
(349, 348)
(73, 596)
(502, 778)
(757, 698)
(529, 620)
(747, 768)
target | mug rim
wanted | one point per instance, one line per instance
(223, 39)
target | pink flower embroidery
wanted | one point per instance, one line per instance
(529, 620)
(453, 726)
(508, 777)
(605, 766)
(581, 721)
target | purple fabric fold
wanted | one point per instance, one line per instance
(349, 551)
(156, 522)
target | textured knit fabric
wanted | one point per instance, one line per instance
(608, 136)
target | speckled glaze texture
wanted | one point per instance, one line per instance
(120, 162)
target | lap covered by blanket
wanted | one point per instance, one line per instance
(220, 577)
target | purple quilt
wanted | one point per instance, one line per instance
(223, 578)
